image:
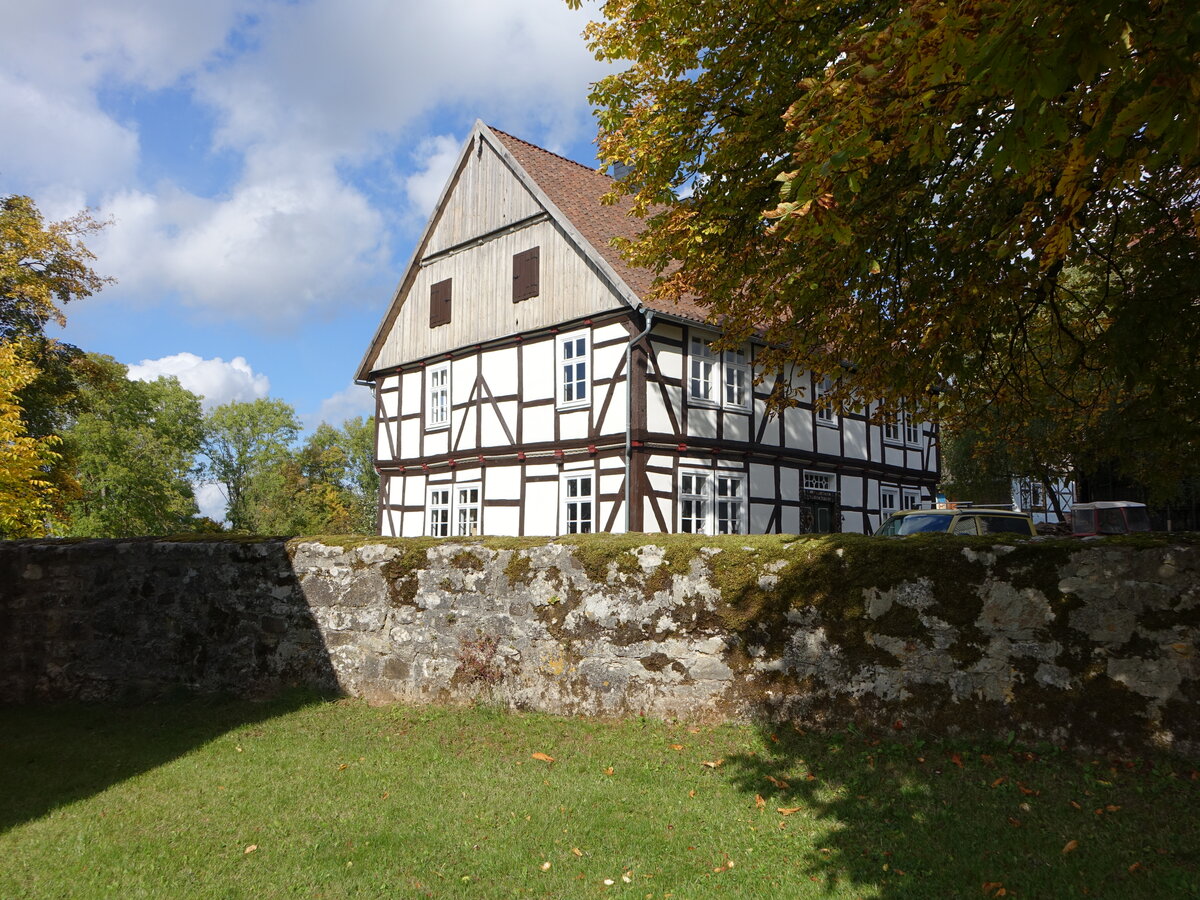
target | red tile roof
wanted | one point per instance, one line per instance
(576, 190)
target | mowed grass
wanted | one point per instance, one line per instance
(307, 798)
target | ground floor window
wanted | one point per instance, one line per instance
(889, 501)
(453, 509)
(466, 510)
(712, 503)
(578, 503)
(437, 512)
(912, 500)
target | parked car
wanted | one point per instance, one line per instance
(1109, 517)
(970, 520)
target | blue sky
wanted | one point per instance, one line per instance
(267, 166)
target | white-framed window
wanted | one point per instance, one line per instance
(889, 501)
(437, 399)
(467, 509)
(825, 414)
(573, 384)
(731, 503)
(695, 499)
(737, 379)
(819, 481)
(702, 365)
(1037, 499)
(712, 503)
(912, 430)
(891, 427)
(910, 499)
(718, 379)
(437, 510)
(577, 497)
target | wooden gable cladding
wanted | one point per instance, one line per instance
(526, 274)
(439, 303)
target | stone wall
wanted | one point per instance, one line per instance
(1091, 643)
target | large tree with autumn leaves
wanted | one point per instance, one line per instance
(984, 206)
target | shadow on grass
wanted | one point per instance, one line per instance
(895, 817)
(54, 755)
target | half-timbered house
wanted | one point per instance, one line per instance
(526, 384)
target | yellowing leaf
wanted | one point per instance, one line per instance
(546, 866)
(577, 851)
(250, 849)
(543, 757)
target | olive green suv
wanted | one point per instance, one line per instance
(969, 520)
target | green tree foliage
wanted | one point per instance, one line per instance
(42, 267)
(133, 451)
(997, 197)
(327, 486)
(243, 440)
(26, 494)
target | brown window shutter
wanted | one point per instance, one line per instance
(526, 274)
(439, 303)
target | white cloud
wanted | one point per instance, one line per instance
(216, 381)
(353, 400)
(435, 158)
(283, 245)
(212, 501)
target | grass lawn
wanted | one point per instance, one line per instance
(305, 798)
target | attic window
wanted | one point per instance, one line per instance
(525, 274)
(439, 303)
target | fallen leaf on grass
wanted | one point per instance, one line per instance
(608, 771)
(1015, 823)
(1135, 868)
(1070, 847)
(543, 757)
(1076, 805)
(778, 782)
(1112, 807)
(343, 766)
(956, 759)
(999, 781)
(676, 746)
(250, 849)
(788, 810)
(712, 763)
(1027, 791)
(994, 889)
(577, 851)
(691, 793)
(759, 802)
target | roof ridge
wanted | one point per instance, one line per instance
(594, 171)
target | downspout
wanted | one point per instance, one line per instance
(629, 414)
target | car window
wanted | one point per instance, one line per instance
(917, 523)
(1139, 518)
(1111, 521)
(966, 525)
(1003, 525)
